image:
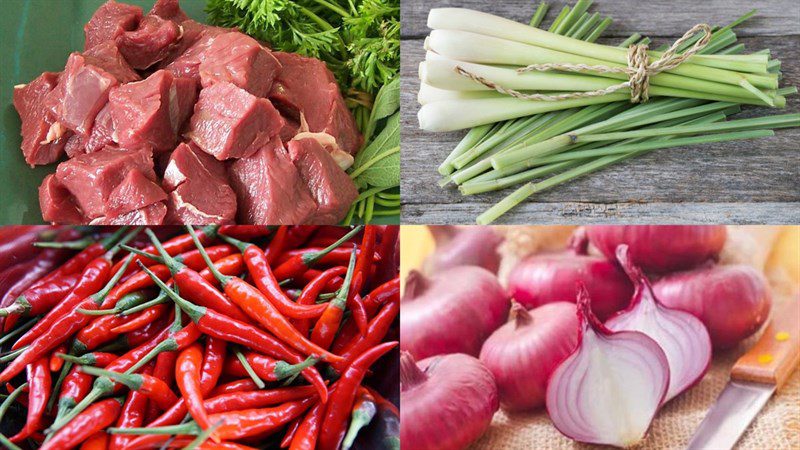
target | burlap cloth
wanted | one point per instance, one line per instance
(776, 427)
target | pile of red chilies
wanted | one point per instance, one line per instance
(218, 338)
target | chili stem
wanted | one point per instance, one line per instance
(249, 369)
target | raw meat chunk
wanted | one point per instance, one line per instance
(136, 191)
(92, 177)
(150, 43)
(102, 132)
(185, 59)
(169, 10)
(109, 21)
(149, 215)
(57, 204)
(239, 59)
(151, 112)
(229, 122)
(269, 189)
(331, 187)
(108, 57)
(199, 190)
(76, 145)
(29, 100)
(306, 86)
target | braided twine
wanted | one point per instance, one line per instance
(638, 70)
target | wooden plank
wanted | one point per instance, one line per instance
(610, 213)
(765, 170)
(654, 17)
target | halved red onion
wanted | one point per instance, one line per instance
(608, 391)
(682, 336)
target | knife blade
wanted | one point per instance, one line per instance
(754, 378)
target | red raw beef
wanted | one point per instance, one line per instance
(92, 177)
(149, 215)
(198, 187)
(57, 204)
(151, 112)
(185, 59)
(102, 132)
(150, 43)
(229, 122)
(109, 21)
(169, 10)
(108, 57)
(331, 187)
(239, 59)
(135, 192)
(36, 123)
(269, 189)
(306, 86)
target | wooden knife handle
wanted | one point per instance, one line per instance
(777, 353)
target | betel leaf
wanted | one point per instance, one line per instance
(387, 102)
(379, 164)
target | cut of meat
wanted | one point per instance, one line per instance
(169, 10)
(185, 59)
(136, 191)
(269, 189)
(92, 177)
(81, 93)
(108, 57)
(331, 187)
(149, 215)
(239, 59)
(199, 189)
(187, 163)
(150, 43)
(29, 100)
(229, 122)
(306, 86)
(109, 21)
(102, 132)
(151, 112)
(57, 204)
(75, 145)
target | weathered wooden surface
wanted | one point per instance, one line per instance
(756, 181)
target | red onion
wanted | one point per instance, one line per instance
(681, 335)
(451, 312)
(609, 389)
(463, 246)
(524, 352)
(661, 248)
(732, 301)
(547, 278)
(447, 401)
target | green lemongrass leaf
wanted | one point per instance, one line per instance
(538, 16)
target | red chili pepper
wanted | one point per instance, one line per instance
(298, 264)
(298, 235)
(253, 422)
(164, 370)
(213, 362)
(61, 329)
(135, 282)
(245, 231)
(390, 264)
(277, 244)
(176, 245)
(95, 418)
(245, 384)
(268, 369)
(101, 329)
(39, 383)
(338, 409)
(378, 328)
(306, 436)
(11, 276)
(77, 384)
(364, 260)
(20, 247)
(382, 402)
(97, 441)
(389, 291)
(55, 363)
(326, 327)
(337, 256)
(40, 299)
(356, 306)
(131, 416)
(226, 328)
(290, 432)
(155, 389)
(312, 291)
(262, 310)
(141, 319)
(261, 273)
(187, 376)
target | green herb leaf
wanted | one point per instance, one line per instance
(379, 164)
(387, 102)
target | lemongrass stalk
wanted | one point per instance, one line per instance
(735, 49)
(577, 24)
(559, 18)
(577, 10)
(473, 137)
(429, 94)
(530, 189)
(631, 40)
(586, 27)
(598, 31)
(482, 23)
(481, 49)
(539, 15)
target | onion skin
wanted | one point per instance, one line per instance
(447, 401)
(524, 352)
(546, 278)
(610, 388)
(733, 302)
(682, 336)
(661, 248)
(453, 311)
(463, 246)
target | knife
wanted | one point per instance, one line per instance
(754, 378)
